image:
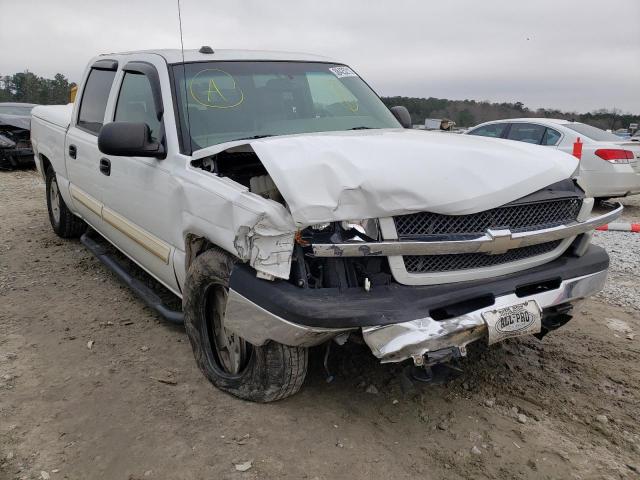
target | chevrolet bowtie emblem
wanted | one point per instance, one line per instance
(502, 241)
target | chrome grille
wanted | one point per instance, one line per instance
(465, 261)
(523, 217)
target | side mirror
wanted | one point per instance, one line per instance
(129, 139)
(402, 115)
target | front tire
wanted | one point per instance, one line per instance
(64, 223)
(257, 373)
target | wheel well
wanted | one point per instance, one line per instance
(45, 163)
(195, 245)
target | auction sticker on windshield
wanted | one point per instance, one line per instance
(513, 321)
(341, 72)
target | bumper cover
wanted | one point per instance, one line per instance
(259, 310)
(394, 343)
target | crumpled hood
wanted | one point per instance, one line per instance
(380, 173)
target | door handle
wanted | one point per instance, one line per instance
(105, 166)
(73, 151)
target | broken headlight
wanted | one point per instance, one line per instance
(366, 229)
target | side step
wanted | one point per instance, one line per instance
(145, 293)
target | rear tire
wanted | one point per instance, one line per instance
(64, 223)
(257, 373)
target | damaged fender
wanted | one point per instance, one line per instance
(255, 229)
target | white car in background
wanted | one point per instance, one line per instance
(609, 167)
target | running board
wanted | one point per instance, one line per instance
(144, 292)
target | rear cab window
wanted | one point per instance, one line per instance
(94, 100)
(494, 130)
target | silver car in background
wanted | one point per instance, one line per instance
(609, 167)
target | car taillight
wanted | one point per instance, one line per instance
(615, 155)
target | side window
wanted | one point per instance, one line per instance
(94, 99)
(494, 130)
(135, 102)
(526, 132)
(551, 137)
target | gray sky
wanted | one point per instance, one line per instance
(571, 54)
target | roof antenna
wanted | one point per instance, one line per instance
(184, 78)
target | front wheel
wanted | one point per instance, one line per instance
(258, 373)
(64, 223)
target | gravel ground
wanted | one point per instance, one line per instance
(94, 386)
(624, 250)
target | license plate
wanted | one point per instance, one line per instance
(513, 321)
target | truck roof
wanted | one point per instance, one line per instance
(174, 55)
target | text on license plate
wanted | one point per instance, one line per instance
(513, 321)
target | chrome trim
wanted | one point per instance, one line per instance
(585, 210)
(257, 325)
(493, 242)
(146, 240)
(85, 199)
(388, 228)
(400, 341)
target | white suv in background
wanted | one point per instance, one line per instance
(609, 166)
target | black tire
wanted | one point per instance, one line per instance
(269, 372)
(64, 223)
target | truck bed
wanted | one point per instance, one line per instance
(49, 125)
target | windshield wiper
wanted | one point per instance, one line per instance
(361, 128)
(253, 137)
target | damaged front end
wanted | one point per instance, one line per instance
(15, 136)
(15, 147)
(417, 283)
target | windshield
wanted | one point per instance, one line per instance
(592, 132)
(228, 101)
(15, 110)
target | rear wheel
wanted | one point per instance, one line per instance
(63, 222)
(258, 373)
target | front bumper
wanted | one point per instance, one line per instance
(414, 339)
(18, 155)
(399, 321)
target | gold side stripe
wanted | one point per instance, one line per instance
(141, 237)
(86, 200)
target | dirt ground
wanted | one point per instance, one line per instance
(566, 407)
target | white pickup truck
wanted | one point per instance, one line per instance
(277, 196)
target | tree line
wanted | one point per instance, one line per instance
(467, 113)
(26, 87)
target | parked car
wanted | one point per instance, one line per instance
(15, 131)
(609, 167)
(622, 133)
(278, 197)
